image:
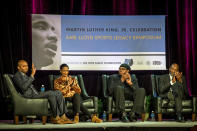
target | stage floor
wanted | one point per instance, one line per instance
(37, 125)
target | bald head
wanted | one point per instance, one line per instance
(22, 66)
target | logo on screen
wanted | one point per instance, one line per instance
(140, 62)
(148, 62)
(129, 61)
(156, 62)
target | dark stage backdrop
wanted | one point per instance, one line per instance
(180, 32)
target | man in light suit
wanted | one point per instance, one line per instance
(55, 98)
(173, 86)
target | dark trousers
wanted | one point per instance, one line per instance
(56, 101)
(77, 104)
(121, 94)
(178, 96)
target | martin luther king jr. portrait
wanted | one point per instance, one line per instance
(46, 41)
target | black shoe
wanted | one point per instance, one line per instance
(124, 117)
(132, 117)
(133, 120)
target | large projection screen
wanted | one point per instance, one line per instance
(99, 43)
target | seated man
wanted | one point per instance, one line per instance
(71, 91)
(173, 87)
(55, 98)
(123, 86)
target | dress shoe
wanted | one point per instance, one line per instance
(132, 117)
(95, 119)
(76, 119)
(124, 117)
(56, 120)
(66, 120)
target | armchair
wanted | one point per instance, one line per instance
(109, 104)
(166, 106)
(26, 106)
(91, 103)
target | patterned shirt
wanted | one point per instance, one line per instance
(68, 90)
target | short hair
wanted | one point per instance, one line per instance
(175, 64)
(63, 65)
(35, 17)
(20, 61)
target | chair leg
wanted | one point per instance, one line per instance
(32, 121)
(51, 119)
(110, 117)
(16, 119)
(44, 119)
(159, 117)
(25, 119)
(143, 117)
(193, 117)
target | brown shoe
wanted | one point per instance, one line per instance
(56, 121)
(66, 120)
(95, 119)
(76, 119)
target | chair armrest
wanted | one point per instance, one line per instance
(84, 93)
(95, 101)
(109, 102)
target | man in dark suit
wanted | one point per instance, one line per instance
(123, 86)
(55, 98)
(173, 87)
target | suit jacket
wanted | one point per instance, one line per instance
(24, 83)
(164, 86)
(115, 80)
